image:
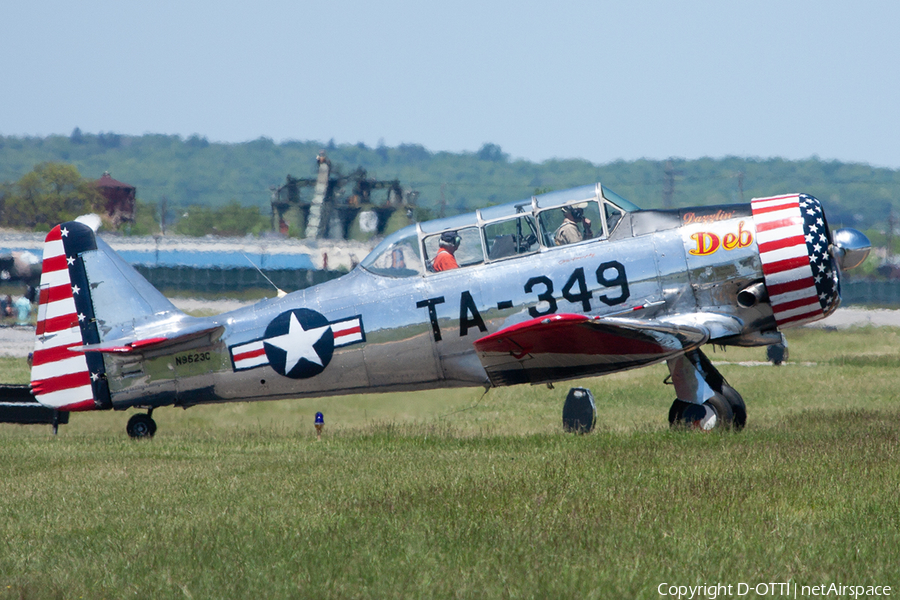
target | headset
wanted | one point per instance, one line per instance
(455, 240)
(578, 213)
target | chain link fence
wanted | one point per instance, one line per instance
(881, 294)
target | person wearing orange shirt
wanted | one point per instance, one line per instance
(449, 244)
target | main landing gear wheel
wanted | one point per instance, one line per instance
(738, 408)
(579, 412)
(141, 426)
(716, 412)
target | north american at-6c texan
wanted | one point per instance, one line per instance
(558, 286)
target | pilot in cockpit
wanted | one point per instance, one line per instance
(569, 232)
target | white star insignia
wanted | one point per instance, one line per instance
(810, 211)
(70, 260)
(75, 290)
(64, 232)
(809, 238)
(820, 221)
(80, 317)
(95, 376)
(298, 343)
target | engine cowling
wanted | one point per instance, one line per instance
(800, 273)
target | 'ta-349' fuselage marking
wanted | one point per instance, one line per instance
(610, 274)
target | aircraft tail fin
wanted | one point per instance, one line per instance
(87, 294)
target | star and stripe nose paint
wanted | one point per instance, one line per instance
(60, 377)
(798, 269)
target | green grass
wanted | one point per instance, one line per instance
(453, 493)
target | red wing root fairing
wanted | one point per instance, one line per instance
(566, 346)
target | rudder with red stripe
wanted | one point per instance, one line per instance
(63, 378)
(88, 295)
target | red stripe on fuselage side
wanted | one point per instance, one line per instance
(250, 354)
(809, 300)
(809, 315)
(785, 265)
(348, 331)
(791, 286)
(770, 225)
(788, 242)
(772, 198)
(760, 210)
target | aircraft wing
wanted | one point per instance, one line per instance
(565, 346)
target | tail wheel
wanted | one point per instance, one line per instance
(141, 426)
(777, 353)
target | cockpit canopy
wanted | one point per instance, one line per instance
(499, 232)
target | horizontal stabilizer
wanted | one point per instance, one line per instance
(171, 341)
(564, 346)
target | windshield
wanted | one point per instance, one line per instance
(396, 256)
(619, 200)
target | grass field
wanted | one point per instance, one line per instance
(459, 494)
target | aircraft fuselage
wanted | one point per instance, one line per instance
(418, 331)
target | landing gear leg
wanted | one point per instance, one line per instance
(141, 425)
(708, 399)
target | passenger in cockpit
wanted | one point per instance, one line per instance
(568, 232)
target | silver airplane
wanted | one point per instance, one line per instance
(559, 286)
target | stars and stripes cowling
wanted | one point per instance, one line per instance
(61, 377)
(794, 248)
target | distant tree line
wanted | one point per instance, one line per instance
(199, 178)
(48, 194)
(53, 193)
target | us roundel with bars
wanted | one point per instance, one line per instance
(799, 272)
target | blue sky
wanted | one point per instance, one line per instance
(595, 80)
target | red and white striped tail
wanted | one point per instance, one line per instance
(798, 270)
(60, 377)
